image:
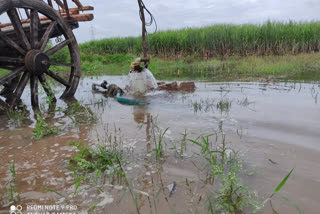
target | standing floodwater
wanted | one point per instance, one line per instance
(273, 127)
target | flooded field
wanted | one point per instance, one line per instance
(165, 153)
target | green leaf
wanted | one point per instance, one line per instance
(52, 190)
(292, 203)
(210, 207)
(195, 142)
(283, 182)
(124, 193)
(157, 195)
(93, 206)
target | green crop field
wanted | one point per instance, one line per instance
(288, 50)
(270, 38)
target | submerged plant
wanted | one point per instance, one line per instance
(12, 169)
(158, 138)
(203, 105)
(224, 105)
(42, 129)
(80, 114)
(11, 185)
(100, 158)
(232, 195)
(183, 142)
(277, 189)
(228, 194)
(48, 101)
(159, 144)
(16, 116)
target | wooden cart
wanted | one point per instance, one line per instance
(25, 32)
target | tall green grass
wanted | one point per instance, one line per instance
(297, 67)
(276, 38)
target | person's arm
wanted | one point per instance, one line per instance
(146, 61)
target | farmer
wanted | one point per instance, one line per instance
(141, 79)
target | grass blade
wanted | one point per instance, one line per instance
(123, 194)
(195, 142)
(292, 203)
(157, 195)
(283, 182)
(52, 190)
(210, 207)
(93, 206)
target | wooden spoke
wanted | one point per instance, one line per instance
(77, 3)
(16, 23)
(19, 90)
(34, 90)
(34, 28)
(11, 43)
(7, 67)
(46, 36)
(7, 78)
(4, 104)
(9, 88)
(47, 87)
(50, 3)
(27, 13)
(11, 60)
(57, 78)
(58, 47)
(31, 35)
(65, 64)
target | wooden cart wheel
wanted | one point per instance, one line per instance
(26, 54)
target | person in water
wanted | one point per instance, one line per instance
(141, 79)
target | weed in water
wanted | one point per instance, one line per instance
(224, 105)
(158, 138)
(42, 129)
(16, 116)
(12, 169)
(232, 195)
(277, 189)
(224, 169)
(183, 144)
(13, 194)
(48, 101)
(79, 113)
(96, 160)
(203, 105)
(52, 190)
(159, 144)
(78, 180)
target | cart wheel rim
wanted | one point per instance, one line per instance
(35, 64)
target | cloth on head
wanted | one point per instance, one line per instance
(137, 59)
(133, 65)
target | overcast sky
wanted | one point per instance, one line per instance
(114, 18)
(121, 18)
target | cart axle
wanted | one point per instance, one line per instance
(37, 62)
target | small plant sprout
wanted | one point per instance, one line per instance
(277, 189)
(42, 129)
(11, 185)
(159, 144)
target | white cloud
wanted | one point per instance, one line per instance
(120, 18)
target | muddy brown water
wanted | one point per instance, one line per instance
(274, 127)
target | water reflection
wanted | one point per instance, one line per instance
(142, 116)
